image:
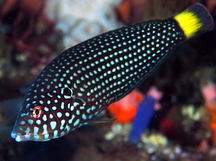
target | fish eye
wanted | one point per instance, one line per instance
(37, 112)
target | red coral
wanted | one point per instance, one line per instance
(126, 108)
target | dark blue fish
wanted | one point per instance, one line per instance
(85, 79)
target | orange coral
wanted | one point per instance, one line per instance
(126, 108)
(211, 106)
(209, 95)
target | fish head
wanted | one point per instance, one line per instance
(47, 116)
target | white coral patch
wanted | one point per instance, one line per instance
(82, 19)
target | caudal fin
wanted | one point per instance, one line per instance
(195, 20)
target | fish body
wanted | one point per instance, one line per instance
(86, 78)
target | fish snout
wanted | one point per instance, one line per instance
(19, 134)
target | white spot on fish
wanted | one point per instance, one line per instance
(62, 105)
(62, 124)
(53, 125)
(54, 108)
(30, 121)
(44, 118)
(44, 129)
(46, 109)
(38, 122)
(50, 116)
(46, 137)
(55, 133)
(67, 114)
(36, 129)
(71, 120)
(59, 114)
(76, 122)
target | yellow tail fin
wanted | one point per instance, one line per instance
(195, 20)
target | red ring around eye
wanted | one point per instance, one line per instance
(37, 112)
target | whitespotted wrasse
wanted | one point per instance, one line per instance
(84, 79)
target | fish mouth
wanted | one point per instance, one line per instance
(20, 135)
(29, 137)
